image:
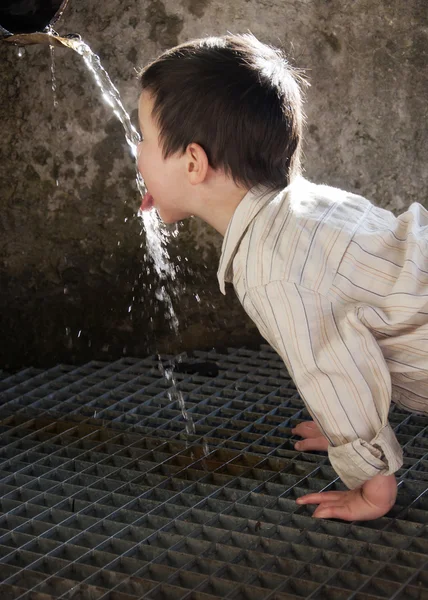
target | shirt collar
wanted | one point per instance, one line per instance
(249, 207)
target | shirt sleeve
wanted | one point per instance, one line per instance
(339, 371)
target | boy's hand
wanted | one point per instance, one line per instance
(371, 501)
(313, 438)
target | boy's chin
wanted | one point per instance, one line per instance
(172, 217)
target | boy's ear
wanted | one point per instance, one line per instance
(197, 163)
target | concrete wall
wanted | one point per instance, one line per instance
(72, 252)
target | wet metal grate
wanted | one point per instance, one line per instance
(105, 496)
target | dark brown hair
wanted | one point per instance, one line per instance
(236, 97)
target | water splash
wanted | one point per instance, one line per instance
(156, 240)
(174, 394)
(205, 448)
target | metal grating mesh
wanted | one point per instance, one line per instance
(104, 496)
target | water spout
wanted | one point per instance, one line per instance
(25, 22)
(50, 39)
(29, 16)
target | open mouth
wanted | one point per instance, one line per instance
(147, 202)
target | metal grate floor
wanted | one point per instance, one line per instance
(105, 496)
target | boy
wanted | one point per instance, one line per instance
(336, 285)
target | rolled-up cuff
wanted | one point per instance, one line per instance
(358, 461)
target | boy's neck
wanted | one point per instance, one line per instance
(219, 205)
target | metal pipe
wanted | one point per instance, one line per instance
(24, 22)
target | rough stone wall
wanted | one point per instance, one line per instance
(71, 250)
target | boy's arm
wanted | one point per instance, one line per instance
(340, 373)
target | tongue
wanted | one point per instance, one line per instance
(147, 202)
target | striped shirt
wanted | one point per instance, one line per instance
(339, 288)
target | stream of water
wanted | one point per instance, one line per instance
(156, 235)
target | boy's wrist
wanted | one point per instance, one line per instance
(380, 491)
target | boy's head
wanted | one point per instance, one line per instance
(237, 99)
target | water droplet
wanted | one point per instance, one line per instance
(21, 52)
(205, 448)
(53, 74)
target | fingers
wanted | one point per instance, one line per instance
(348, 506)
(320, 497)
(307, 429)
(319, 443)
(332, 505)
(334, 511)
(348, 511)
(312, 437)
